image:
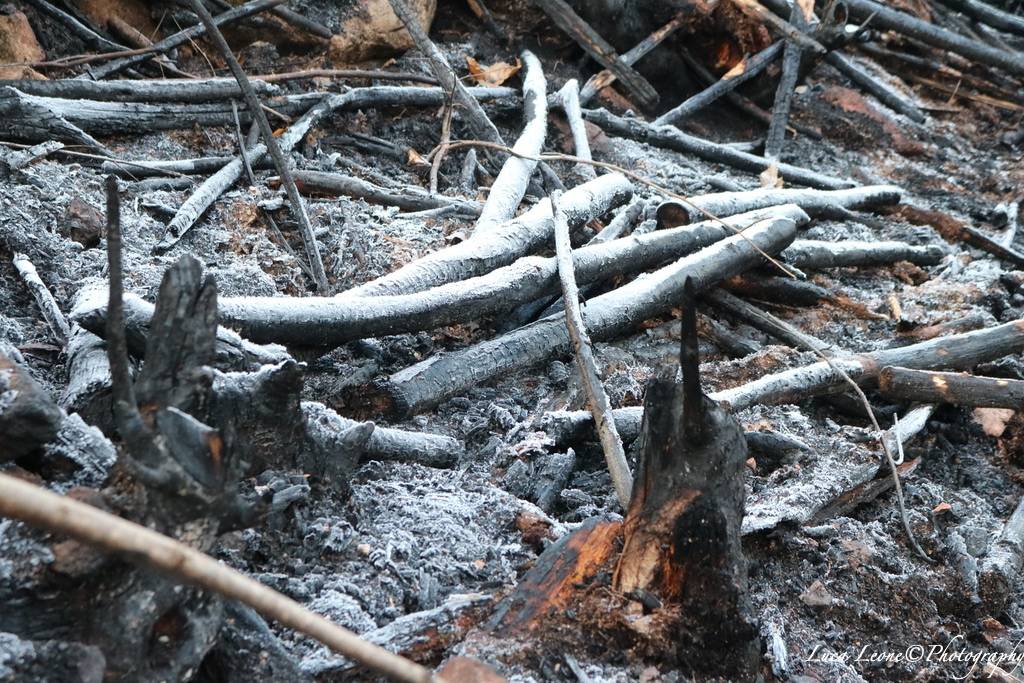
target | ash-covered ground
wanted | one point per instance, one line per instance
(410, 537)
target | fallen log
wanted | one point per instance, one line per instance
(150, 168)
(231, 352)
(428, 383)
(563, 15)
(88, 391)
(501, 244)
(324, 428)
(672, 138)
(26, 118)
(817, 255)
(949, 387)
(681, 532)
(997, 576)
(816, 203)
(605, 78)
(961, 351)
(228, 175)
(509, 187)
(881, 90)
(331, 321)
(143, 90)
(744, 70)
(118, 117)
(893, 20)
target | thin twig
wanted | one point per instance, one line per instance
(446, 137)
(96, 157)
(281, 164)
(240, 139)
(136, 543)
(600, 406)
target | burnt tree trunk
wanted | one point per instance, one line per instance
(682, 528)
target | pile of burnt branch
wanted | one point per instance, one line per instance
(172, 408)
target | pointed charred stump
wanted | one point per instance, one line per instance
(682, 529)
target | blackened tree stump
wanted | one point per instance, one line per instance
(682, 528)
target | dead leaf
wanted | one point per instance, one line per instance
(414, 158)
(993, 420)
(492, 75)
(941, 507)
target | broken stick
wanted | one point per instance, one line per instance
(509, 187)
(951, 387)
(600, 406)
(746, 69)
(675, 139)
(960, 351)
(282, 164)
(63, 515)
(816, 254)
(44, 299)
(597, 47)
(815, 202)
